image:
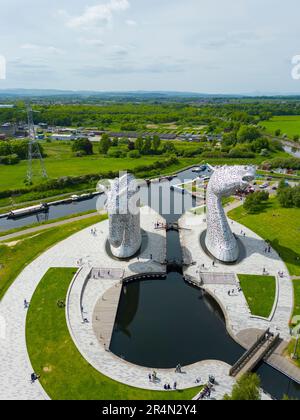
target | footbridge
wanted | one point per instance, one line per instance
(262, 349)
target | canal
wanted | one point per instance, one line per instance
(164, 322)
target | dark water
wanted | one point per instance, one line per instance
(161, 323)
(277, 384)
(55, 212)
(63, 210)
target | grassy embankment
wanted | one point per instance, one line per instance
(15, 255)
(65, 375)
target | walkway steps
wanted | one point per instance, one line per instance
(219, 278)
(261, 350)
(105, 313)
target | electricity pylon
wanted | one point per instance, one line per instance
(34, 151)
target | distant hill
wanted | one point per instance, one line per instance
(11, 94)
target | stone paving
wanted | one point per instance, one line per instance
(15, 368)
(87, 251)
(110, 365)
(237, 311)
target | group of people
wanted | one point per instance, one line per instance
(153, 377)
(232, 292)
(167, 387)
(206, 392)
(94, 231)
(243, 233)
(268, 250)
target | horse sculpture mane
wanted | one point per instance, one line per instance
(125, 236)
(225, 181)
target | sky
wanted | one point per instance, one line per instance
(205, 46)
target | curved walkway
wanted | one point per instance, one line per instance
(106, 363)
(235, 306)
(15, 368)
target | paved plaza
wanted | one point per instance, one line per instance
(88, 252)
(84, 250)
(254, 262)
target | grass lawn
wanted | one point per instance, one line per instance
(65, 375)
(13, 176)
(291, 347)
(19, 252)
(279, 226)
(60, 162)
(260, 292)
(289, 125)
(296, 297)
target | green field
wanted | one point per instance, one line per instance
(289, 125)
(260, 293)
(278, 225)
(65, 375)
(65, 164)
(19, 252)
(296, 297)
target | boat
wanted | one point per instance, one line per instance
(27, 211)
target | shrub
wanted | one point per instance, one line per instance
(116, 153)
(82, 147)
(134, 154)
(9, 159)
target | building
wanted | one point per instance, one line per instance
(8, 129)
(63, 137)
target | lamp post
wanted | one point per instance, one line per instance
(295, 356)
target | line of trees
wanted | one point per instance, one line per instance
(254, 201)
(11, 152)
(288, 196)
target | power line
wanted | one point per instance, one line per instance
(34, 151)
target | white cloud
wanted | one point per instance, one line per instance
(99, 15)
(29, 47)
(42, 48)
(130, 22)
(91, 42)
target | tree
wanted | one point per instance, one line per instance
(130, 145)
(82, 145)
(288, 197)
(115, 142)
(253, 201)
(139, 144)
(147, 146)
(169, 148)
(248, 134)
(156, 142)
(134, 154)
(260, 144)
(277, 132)
(105, 144)
(247, 388)
(229, 139)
